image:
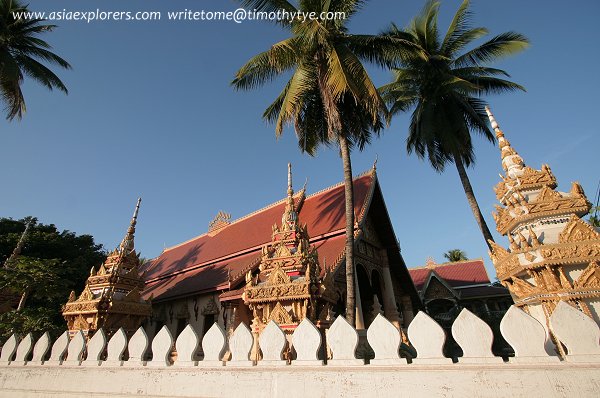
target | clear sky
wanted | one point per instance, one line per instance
(151, 113)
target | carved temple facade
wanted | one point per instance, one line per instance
(284, 262)
(111, 298)
(553, 254)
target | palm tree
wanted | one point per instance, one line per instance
(454, 255)
(444, 87)
(330, 98)
(21, 54)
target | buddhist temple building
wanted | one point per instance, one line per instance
(112, 295)
(284, 262)
(553, 254)
(447, 288)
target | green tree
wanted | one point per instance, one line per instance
(443, 86)
(595, 216)
(329, 98)
(455, 255)
(51, 264)
(21, 54)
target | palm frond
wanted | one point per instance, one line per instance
(22, 54)
(267, 65)
(271, 6)
(40, 73)
(498, 47)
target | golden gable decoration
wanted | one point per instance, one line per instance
(578, 230)
(287, 287)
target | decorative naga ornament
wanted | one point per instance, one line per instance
(288, 286)
(553, 253)
(111, 298)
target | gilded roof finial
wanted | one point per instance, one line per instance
(511, 161)
(375, 162)
(289, 215)
(290, 190)
(127, 244)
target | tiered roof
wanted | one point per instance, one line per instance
(219, 261)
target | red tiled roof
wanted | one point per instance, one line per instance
(457, 274)
(203, 263)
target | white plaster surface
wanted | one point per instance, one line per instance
(8, 349)
(95, 347)
(40, 349)
(186, 345)
(59, 348)
(460, 381)
(76, 349)
(116, 347)
(428, 338)
(306, 341)
(475, 338)
(24, 348)
(577, 331)
(272, 343)
(342, 339)
(384, 339)
(526, 336)
(161, 348)
(240, 345)
(594, 306)
(138, 345)
(213, 346)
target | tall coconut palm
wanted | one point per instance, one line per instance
(443, 86)
(329, 98)
(21, 54)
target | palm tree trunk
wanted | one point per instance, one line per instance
(464, 179)
(349, 195)
(24, 297)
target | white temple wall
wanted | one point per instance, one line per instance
(419, 381)
(530, 373)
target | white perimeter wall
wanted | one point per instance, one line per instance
(453, 380)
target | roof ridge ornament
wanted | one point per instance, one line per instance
(221, 220)
(127, 244)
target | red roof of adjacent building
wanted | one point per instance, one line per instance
(210, 261)
(456, 274)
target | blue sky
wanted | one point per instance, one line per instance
(150, 112)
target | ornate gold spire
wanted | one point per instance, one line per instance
(111, 297)
(289, 218)
(512, 162)
(127, 244)
(543, 267)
